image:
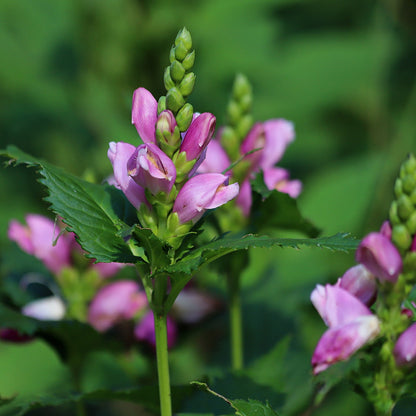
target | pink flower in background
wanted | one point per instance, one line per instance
(151, 168)
(278, 178)
(202, 192)
(380, 256)
(116, 302)
(145, 330)
(216, 159)
(37, 238)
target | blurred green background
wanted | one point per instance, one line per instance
(344, 72)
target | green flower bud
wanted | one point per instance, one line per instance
(409, 261)
(230, 142)
(413, 197)
(181, 50)
(233, 112)
(172, 56)
(246, 103)
(411, 223)
(241, 87)
(401, 237)
(409, 183)
(177, 71)
(187, 84)
(398, 187)
(410, 164)
(244, 125)
(184, 36)
(174, 100)
(161, 105)
(393, 215)
(167, 79)
(189, 61)
(404, 207)
(184, 117)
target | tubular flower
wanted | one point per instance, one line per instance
(144, 114)
(152, 169)
(115, 302)
(361, 283)
(37, 238)
(379, 255)
(198, 136)
(351, 325)
(202, 192)
(405, 348)
(119, 153)
(216, 159)
(278, 178)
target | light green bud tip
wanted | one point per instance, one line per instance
(241, 87)
(401, 237)
(174, 100)
(184, 117)
(184, 36)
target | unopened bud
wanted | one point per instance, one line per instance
(413, 196)
(241, 87)
(161, 105)
(244, 125)
(181, 50)
(409, 183)
(230, 142)
(393, 216)
(184, 117)
(410, 164)
(187, 84)
(189, 61)
(184, 36)
(177, 71)
(411, 223)
(404, 207)
(233, 112)
(398, 187)
(174, 100)
(246, 102)
(401, 237)
(167, 79)
(172, 57)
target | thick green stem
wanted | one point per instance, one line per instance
(163, 364)
(236, 325)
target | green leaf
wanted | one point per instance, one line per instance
(230, 243)
(97, 214)
(241, 407)
(273, 209)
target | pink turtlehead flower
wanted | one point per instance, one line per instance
(351, 325)
(405, 348)
(380, 256)
(340, 342)
(144, 114)
(119, 153)
(244, 198)
(202, 192)
(145, 330)
(361, 283)
(37, 238)
(278, 178)
(386, 229)
(151, 168)
(198, 136)
(115, 302)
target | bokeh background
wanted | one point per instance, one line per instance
(343, 72)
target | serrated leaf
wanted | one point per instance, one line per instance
(97, 214)
(230, 243)
(241, 407)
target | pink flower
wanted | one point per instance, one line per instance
(115, 302)
(152, 169)
(351, 325)
(361, 283)
(379, 255)
(144, 114)
(198, 136)
(278, 178)
(405, 348)
(339, 343)
(244, 198)
(119, 153)
(202, 192)
(145, 330)
(37, 239)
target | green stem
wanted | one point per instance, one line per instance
(163, 364)
(236, 325)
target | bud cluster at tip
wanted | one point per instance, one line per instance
(403, 209)
(238, 119)
(179, 80)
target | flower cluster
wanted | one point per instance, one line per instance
(159, 176)
(255, 148)
(382, 280)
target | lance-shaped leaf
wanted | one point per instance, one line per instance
(97, 214)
